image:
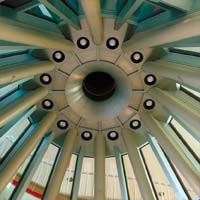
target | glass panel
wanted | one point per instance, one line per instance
(134, 192)
(86, 188)
(41, 176)
(113, 190)
(10, 137)
(162, 186)
(187, 137)
(67, 183)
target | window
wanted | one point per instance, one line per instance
(66, 186)
(86, 188)
(12, 135)
(162, 186)
(113, 190)
(190, 142)
(134, 192)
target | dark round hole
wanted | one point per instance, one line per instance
(45, 79)
(99, 86)
(149, 104)
(113, 135)
(112, 43)
(86, 135)
(150, 79)
(135, 124)
(47, 104)
(58, 56)
(83, 43)
(62, 124)
(137, 57)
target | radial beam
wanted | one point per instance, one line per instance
(62, 165)
(182, 5)
(77, 176)
(28, 6)
(99, 187)
(138, 168)
(65, 13)
(179, 109)
(184, 28)
(92, 11)
(121, 174)
(12, 45)
(182, 74)
(18, 120)
(22, 153)
(18, 32)
(127, 11)
(171, 176)
(174, 152)
(21, 104)
(25, 69)
(30, 170)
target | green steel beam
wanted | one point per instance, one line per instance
(27, 6)
(178, 30)
(182, 5)
(18, 119)
(127, 11)
(13, 45)
(121, 174)
(171, 176)
(28, 132)
(77, 176)
(158, 20)
(191, 42)
(30, 170)
(65, 13)
(28, 19)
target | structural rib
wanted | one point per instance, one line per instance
(14, 31)
(25, 69)
(182, 74)
(20, 105)
(99, 191)
(92, 11)
(12, 166)
(172, 150)
(184, 28)
(143, 183)
(62, 165)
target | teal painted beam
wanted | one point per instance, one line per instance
(158, 20)
(121, 174)
(181, 29)
(191, 42)
(65, 13)
(30, 170)
(18, 119)
(15, 149)
(182, 5)
(13, 45)
(77, 176)
(171, 176)
(27, 6)
(28, 19)
(127, 11)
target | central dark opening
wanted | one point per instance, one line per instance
(99, 86)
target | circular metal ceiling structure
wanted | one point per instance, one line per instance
(101, 79)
